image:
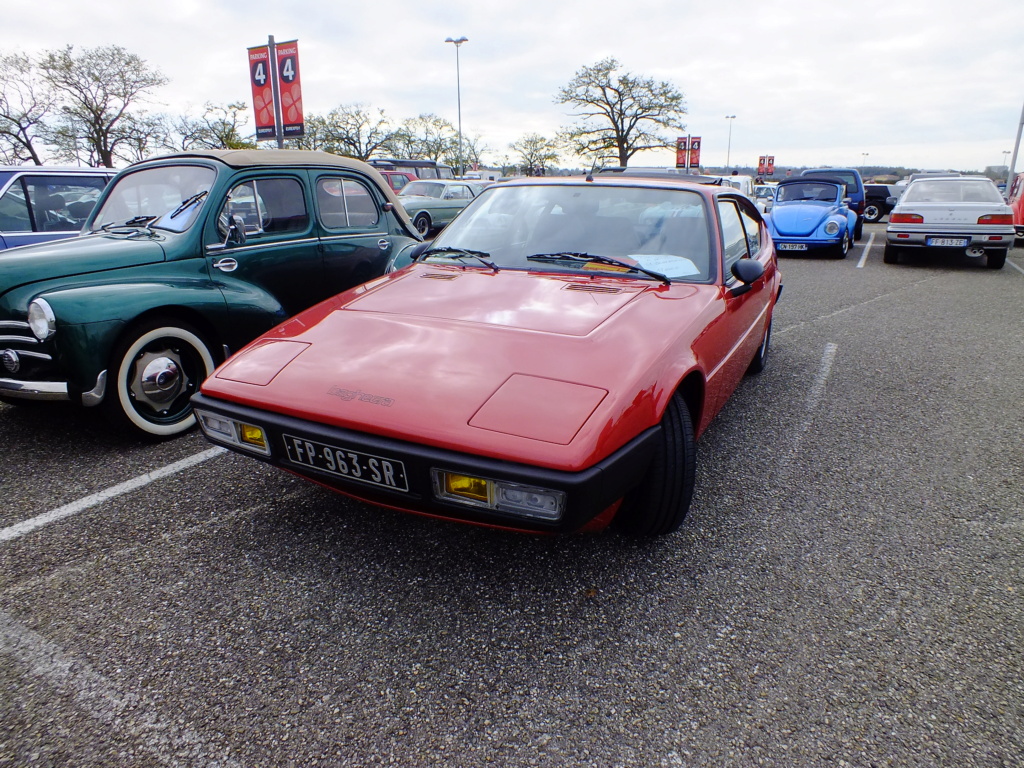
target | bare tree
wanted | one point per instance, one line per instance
(25, 103)
(426, 137)
(536, 153)
(97, 90)
(219, 127)
(619, 113)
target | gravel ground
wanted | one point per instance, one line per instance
(845, 592)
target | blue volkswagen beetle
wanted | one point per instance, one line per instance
(811, 214)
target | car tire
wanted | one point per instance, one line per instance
(872, 213)
(422, 224)
(843, 248)
(757, 364)
(156, 368)
(891, 254)
(660, 503)
(996, 258)
(858, 230)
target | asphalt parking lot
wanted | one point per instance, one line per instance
(847, 590)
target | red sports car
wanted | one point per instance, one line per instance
(545, 364)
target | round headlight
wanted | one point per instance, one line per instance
(832, 228)
(41, 319)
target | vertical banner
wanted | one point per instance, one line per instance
(762, 164)
(260, 75)
(770, 165)
(695, 151)
(290, 89)
(682, 150)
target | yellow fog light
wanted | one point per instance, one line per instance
(472, 488)
(247, 433)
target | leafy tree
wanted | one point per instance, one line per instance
(219, 127)
(97, 91)
(25, 102)
(619, 112)
(535, 153)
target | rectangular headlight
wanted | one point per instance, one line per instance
(499, 495)
(223, 429)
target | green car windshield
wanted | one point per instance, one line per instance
(164, 197)
(553, 227)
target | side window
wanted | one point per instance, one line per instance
(14, 210)
(346, 203)
(734, 239)
(752, 227)
(62, 203)
(266, 206)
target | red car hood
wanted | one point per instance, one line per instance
(537, 368)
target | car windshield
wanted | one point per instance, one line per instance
(581, 227)
(807, 190)
(952, 191)
(423, 189)
(164, 197)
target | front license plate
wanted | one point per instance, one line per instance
(947, 242)
(792, 246)
(344, 462)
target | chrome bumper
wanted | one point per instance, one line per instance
(52, 390)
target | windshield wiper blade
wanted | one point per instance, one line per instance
(187, 202)
(138, 221)
(458, 253)
(590, 257)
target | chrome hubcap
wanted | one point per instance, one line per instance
(159, 378)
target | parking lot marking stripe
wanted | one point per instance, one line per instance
(1019, 269)
(169, 741)
(26, 526)
(867, 247)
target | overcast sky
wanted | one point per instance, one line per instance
(918, 83)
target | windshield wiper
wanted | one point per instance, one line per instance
(188, 202)
(591, 258)
(458, 253)
(138, 221)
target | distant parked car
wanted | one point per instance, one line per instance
(433, 204)
(764, 197)
(854, 190)
(966, 213)
(812, 214)
(1016, 200)
(40, 203)
(397, 179)
(878, 205)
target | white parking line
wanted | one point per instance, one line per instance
(26, 526)
(168, 740)
(1019, 269)
(867, 247)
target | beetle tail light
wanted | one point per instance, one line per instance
(906, 218)
(996, 218)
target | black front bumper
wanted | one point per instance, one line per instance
(588, 492)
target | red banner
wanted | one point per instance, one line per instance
(770, 164)
(695, 151)
(262, 92)
(682, 147)
(290, 87)
(761, 165)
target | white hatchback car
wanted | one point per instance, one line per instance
(963, 212)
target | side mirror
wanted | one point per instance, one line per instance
(236, 231)
(746, 271)
(417, 250)
(891, 200)
(847, 200)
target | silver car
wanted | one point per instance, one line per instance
(962, 212)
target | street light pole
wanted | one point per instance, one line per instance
(728, 147)
(458, 92)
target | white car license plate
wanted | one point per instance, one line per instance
(947, 242)
(792, 246)
(343, 462)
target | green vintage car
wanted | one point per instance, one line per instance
(185, 259)
(433, 203)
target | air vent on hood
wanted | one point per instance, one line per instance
(590, 288)
(440, 275)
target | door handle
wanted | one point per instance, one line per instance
(225, 265)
